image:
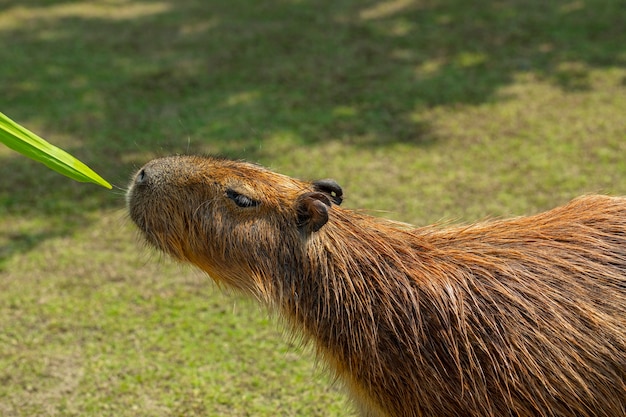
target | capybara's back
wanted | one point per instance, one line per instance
(523, 317)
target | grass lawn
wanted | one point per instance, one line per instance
(422, 110)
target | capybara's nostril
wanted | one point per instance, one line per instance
(141, 177)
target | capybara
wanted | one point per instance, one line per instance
(523, 317)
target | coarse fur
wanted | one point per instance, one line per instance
(523, 317)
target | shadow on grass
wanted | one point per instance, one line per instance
(131, 79)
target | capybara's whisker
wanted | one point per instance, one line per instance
(523, 317)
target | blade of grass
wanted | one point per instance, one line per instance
(29, 144)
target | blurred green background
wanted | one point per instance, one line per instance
(422, 110)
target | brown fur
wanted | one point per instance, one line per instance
(522, 317)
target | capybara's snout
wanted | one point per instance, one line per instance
(144, 183)
(147, 180)
(154, 200)
(163, 172)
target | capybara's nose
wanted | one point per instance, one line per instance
(163, 171)
(139, 184)
(141, 177)
(149, 174)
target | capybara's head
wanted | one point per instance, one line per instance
(227, 217)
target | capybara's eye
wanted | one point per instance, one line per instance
(240, 199)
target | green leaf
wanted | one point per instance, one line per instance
(29, 144)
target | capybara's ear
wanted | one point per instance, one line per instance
(312, 209)
(331, 188)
